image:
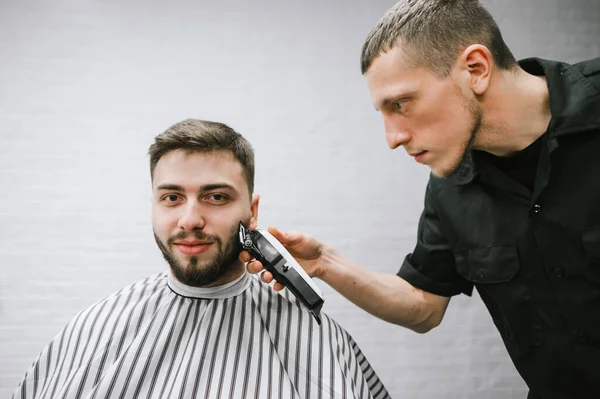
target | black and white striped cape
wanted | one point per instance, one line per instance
(160, 339)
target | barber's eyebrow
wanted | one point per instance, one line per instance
(386, 101)
(395, 97)
(383, 103)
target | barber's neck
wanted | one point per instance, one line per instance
(516, 112)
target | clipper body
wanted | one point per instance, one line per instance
(277, 260)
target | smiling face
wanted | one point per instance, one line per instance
(431, 117)
(198, 200)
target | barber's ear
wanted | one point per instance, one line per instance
(477, 60)
(254, 211)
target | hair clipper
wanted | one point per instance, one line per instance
(264, 247)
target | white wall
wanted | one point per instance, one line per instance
(86, 85)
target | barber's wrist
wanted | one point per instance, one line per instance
(327, 260)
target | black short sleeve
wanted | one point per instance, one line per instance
(431, 266)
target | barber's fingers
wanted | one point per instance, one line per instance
(267, 277)
(281, 237)
(245, 257)
(254, 266)
(288, 238)
(300, 245)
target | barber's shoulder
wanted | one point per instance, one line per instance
(590, 69)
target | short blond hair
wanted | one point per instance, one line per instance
(433, 32)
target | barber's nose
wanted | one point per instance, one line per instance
(395, 135)
(192, 217)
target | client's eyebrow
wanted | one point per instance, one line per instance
(216, 186)
(173, 187)
(206, 187)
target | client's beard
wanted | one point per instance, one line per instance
(201, 275)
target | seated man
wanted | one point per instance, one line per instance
(208, 328)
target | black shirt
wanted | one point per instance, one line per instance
(532, 254)
(520, 166)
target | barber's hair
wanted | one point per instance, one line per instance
(198, 136)
(432, 33)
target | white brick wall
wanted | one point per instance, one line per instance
(86, 85)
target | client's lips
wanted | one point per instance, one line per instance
(187, 247)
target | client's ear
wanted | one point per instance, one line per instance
(254, 211)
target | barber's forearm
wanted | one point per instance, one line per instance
(386, 296)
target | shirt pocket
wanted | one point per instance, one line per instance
(493, 269)
(490, 264)
(591, 243)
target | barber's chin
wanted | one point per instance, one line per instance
(444, 171)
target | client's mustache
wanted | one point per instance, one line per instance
(198, 234)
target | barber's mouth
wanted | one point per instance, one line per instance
(420, 157)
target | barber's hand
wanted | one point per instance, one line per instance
(306, 249)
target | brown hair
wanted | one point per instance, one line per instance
(194, 135)
(433, 32)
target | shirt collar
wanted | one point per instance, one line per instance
(573, 106)
(573, 98)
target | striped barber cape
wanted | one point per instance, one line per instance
(161, 339)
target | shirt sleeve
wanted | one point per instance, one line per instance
(431, 266)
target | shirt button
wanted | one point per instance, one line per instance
(537, 208)
(581, 337)
(559, 272)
